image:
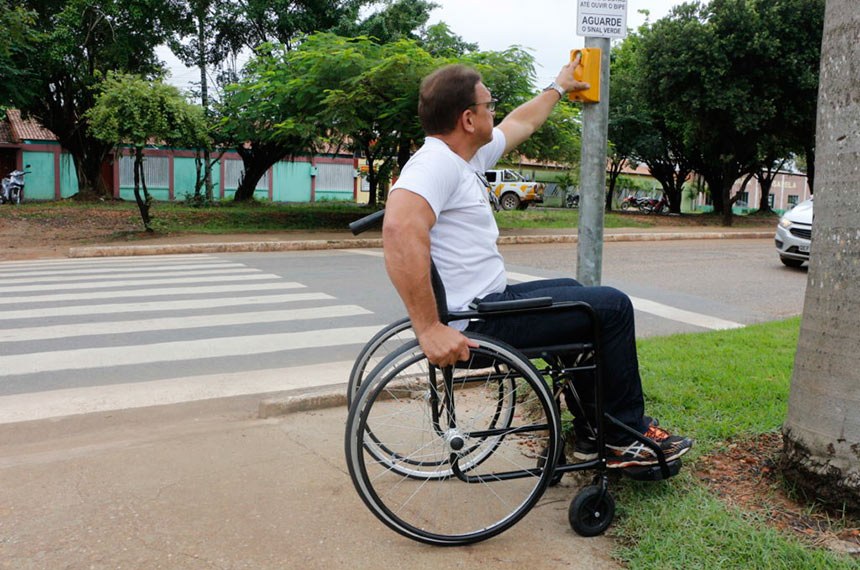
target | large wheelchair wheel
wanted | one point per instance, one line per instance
(434, 454)
(383, 343)
(480, 372)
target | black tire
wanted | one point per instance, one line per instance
(571, 201)
(509, 201)
(427, 414)
(790, 261)
(591, 511)
(625, 205)
(375, 351)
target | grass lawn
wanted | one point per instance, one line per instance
(231, 217)
(712, 386)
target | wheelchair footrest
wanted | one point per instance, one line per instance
(652, 472)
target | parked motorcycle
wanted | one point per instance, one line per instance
(12, 187)
(633, 202)
(571, 201)
(655, 206)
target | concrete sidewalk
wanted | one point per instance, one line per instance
(210, 485)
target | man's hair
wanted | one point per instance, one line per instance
(444, 95)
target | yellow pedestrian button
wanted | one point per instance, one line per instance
(588, 71)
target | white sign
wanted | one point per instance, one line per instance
(601, 18)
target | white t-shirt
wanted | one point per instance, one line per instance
(463, 240)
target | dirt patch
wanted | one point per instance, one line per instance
(38, 231)
(51, 235)
(745, 476)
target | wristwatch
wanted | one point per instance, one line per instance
(557, 88)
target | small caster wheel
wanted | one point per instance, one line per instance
(591, 511)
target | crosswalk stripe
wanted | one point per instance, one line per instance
(91, 399)
(682, 316)
(143, 282)
(658, 309)
(84, 358)
(20, 276)
(165, 306)
(368, 252)
(176, 323)
(98, 261)
(145, 292)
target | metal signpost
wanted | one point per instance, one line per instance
(598, 21)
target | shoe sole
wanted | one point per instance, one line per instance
(646, 462)
(584, 456)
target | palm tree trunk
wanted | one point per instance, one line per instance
(822, 431)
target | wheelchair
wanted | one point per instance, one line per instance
(456, 455)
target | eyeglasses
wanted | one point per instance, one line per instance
(491, 105)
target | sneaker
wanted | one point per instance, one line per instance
(638, 454)
(585, 445)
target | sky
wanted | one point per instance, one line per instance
(546, 27)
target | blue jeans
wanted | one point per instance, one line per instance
(622, 391)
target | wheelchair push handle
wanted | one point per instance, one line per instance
(363, 224)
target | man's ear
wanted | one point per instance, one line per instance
(467, 119)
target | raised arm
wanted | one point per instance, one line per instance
(406, 243)
(523, 121)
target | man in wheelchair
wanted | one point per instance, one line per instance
(439, 210)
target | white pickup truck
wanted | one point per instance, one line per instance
(513, 190)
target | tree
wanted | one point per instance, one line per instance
(79, 42)
(639, 128)
(20, 39)
(510, 76)
(703, 65)
(289, 24)
(275, 109)
(375, 108)
(253, 23)
(794, 29)
(822, 431)
(399, 19)
(204, 47)
(732, 83)
(439, 41)
(131, 110)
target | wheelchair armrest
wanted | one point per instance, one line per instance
(493, 306)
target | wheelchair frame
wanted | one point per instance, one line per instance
(510, 373)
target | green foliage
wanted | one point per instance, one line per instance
(726, 88)
(439, 41)
(253, 23)
(79, 42)
(20, 42)
(399, 19)
(510, 76)
(136, 111)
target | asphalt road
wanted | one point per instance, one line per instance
(98, 334)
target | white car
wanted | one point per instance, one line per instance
(794, 234)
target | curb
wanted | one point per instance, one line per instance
(308, 245)
(302, 402)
